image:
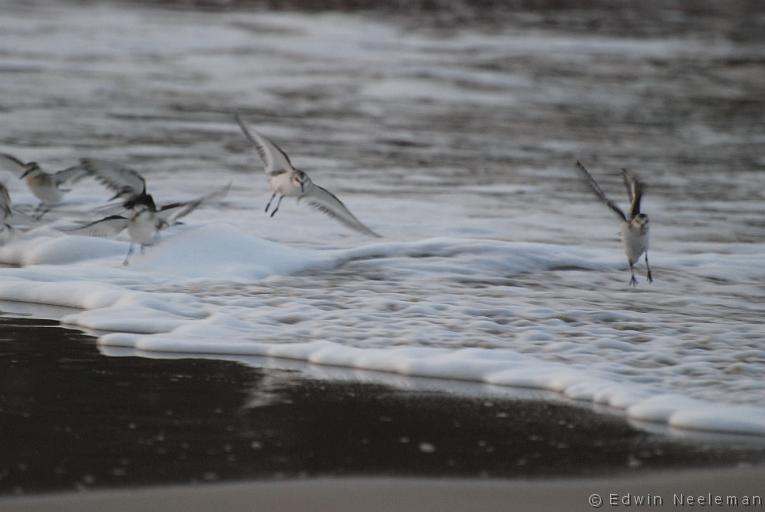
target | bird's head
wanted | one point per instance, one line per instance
(141, 210)
(301, 179)
(641, 219)
(30, 169)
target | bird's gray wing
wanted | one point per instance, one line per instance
(12, 164)
(170, 213)
(117, 177)
(109, 209)
(274, 159)
(21, 218)
(71, 174)
(5, 202)
(599, 192)
(327, 203)
(627, 184)
(106, 227)
(634, 191)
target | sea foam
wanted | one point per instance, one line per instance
(196, 292)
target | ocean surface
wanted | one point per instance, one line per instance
(452, 134)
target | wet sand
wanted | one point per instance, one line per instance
(656, 491)
(73, 419)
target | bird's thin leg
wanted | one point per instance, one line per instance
(127, 257)
(40, 210)
(269, 202)
(143, 249)
(633, 281)
(278, 203)
(647, 266)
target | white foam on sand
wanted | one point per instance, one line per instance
(197, 292)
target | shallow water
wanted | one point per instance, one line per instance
(454, 138)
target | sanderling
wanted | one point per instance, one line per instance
(47, 187)
(634, 228)
(143, 219)
(142, 225)
(284, 180)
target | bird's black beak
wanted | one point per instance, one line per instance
(25, 174)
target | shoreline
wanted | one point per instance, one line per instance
(74, 418)
(653, 416)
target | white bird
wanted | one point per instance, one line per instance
(634, 228)
(285, 180)
(49, 188)
(142, 225)
(143, 219)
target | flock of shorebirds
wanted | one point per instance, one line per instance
(136, 211)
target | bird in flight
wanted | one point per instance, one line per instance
(49, 188)
(142, 218)
(285, 180)
(634, 227)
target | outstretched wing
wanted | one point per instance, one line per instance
(106, 227)
(634, 191)
(170, 213)
(327, 203)
(599, 192)
(125, 181)
(274, 159)
(12, 164)
(71, 174)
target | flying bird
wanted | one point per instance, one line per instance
(285, 180)
(49, 188)
(141, 217)
(634, 227)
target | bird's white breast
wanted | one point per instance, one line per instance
(635, 240)
(44, 189)
(142, 227)
(282, 184)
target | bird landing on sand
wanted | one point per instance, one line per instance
(141, 217)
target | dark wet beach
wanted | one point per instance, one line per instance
(73, 419)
